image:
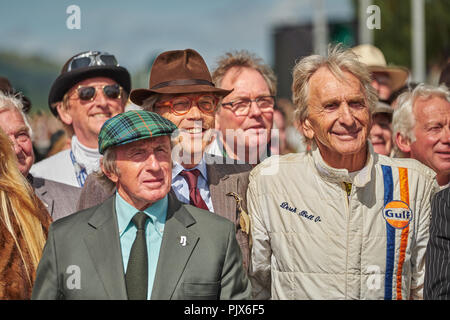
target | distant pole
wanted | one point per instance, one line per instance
(365, 34)
(320, 28)
(418, 40)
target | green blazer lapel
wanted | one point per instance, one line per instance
(103, 244)
(176, 248)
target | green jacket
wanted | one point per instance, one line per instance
(82, 257)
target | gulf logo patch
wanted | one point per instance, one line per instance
(397, 213)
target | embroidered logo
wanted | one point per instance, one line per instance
(397, 214)
(304, 214)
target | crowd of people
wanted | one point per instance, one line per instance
(206, 186)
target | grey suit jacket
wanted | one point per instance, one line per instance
(437, 261)
(82, 257)
(60, 199)
(222, 178)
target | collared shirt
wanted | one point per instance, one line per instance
(153, 232)
(181, 188)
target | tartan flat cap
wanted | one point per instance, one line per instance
(131, 126)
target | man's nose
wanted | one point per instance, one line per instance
(254, 110)
(346, 115)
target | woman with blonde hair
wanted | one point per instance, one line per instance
(24, 224)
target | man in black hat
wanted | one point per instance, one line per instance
(91, 89)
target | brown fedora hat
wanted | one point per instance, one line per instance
(177, 71)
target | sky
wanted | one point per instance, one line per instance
(137, 30)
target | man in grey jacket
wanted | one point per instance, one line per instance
(59, 199)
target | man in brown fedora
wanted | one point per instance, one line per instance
(181, 90)
(386, 78)
(91, 89)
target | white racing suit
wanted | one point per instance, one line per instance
(311, 240)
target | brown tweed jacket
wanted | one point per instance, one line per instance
(222, 179)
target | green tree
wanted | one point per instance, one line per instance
(395, 36)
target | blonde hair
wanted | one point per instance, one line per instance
(337, 61)
(20, 208)
(244, 59)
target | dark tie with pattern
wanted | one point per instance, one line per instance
(194, 194)
(136, 278)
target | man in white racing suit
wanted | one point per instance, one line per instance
(340, 222)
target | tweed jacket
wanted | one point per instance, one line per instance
(59, 199)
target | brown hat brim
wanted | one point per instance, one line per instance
(137, 96)
(398, 75)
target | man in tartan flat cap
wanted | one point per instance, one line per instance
(141, 243)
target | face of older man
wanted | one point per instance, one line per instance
(11, 121)
(193, 114)
(432, 132)
(338, 120)
(87, 116)
(381, 134)
(253, 129)
(144, 171)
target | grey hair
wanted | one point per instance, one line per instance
(149, 103)
(11, 102)
(337, 61)
(403, 120)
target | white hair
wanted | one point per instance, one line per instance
(403, 120)
(337, 61)
(12, 102)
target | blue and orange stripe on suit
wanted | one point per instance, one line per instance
(390, 245)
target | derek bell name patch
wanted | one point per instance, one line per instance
(397, 213)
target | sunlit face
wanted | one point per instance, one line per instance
(254, 128)
(87, 117)
(11, 121)
(381, 134)
(432, 133)
(144, 171)
(382, 84)
(196, 128)
(339, 118)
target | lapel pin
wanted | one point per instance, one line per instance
(244, 219)
(183, 241)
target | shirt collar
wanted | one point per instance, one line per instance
(360, 179)
(177, 168)
(125, 212)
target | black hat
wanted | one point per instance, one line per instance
(83, 66)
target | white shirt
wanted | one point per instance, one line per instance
(181, 188)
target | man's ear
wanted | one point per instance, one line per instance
(64, 114)
(307, 129)
(111, 176)
(403, 143)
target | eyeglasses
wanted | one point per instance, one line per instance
(241, 107)
(182, 105)
(88, 93)
(92, 58)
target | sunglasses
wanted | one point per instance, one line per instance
(92, 58)
(88, 93)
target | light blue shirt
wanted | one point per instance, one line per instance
(181, 187)
(154, 230)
